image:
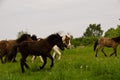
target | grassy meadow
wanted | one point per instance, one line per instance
(76, 64)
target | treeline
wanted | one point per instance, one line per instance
(92, 33)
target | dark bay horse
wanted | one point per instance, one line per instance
(7, 45)
(107, 42)
(66, 40)
(42, 47)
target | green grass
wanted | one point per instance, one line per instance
(75, 64)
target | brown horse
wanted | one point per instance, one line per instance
(107, 42)
(42, 47)
(7, 45)
(3, 50)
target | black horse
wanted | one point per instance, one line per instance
(42, 47)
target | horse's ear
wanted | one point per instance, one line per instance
(34, 37)
(58, 34)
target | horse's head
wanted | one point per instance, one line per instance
(66, 40)
(56, 39)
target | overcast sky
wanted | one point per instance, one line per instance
(44, 17)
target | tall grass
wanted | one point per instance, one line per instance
(76, 64)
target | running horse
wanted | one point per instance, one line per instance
(107, 42)
(38, 48)
(7, 45)
(66, 40)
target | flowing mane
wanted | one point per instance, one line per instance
(34, 37)
(23, 37)
(116, 39)
(52, 36)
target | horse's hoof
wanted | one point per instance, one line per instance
(51, 65)
(41, 67)
(23, 71)
(14, 61)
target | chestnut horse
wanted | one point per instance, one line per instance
(107, 42)
(66, 40)
(7, 45)
(42, 47)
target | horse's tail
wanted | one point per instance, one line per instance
(95, 44)
(12, 54)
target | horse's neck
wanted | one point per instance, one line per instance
(11, 43)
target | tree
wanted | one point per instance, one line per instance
(94, 30)
(118, 30)
(110, 32)
(113, 32)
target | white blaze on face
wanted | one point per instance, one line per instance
(64, 35)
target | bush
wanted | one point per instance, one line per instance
(83, 41)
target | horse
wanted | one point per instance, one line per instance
(3, 50)
(42, 47)
(66, 40)
(107, 42)
(7, 45)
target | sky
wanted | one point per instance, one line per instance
(44, 17)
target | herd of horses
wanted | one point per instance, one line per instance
(31, 45)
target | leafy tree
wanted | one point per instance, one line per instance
(94, 30)
(110, 32)
(113, 32)
(118, 30)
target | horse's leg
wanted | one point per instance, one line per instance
(22, 63)
(54, 53)
(51, 60)
(14, 56)
(103, 52)
(41, 59)
(59, 53)
(56, 50)
(97, 51)
(14, 60)
(45, 61)
(115, 52)
(33, 58)
(1, 59)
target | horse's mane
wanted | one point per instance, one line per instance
(116, 39)
(23, 37)
(34, 37)
(52, 36)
